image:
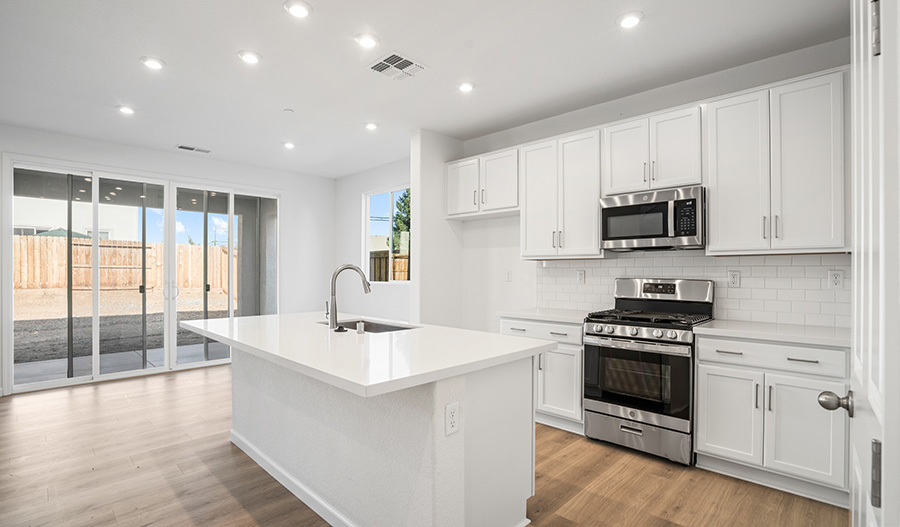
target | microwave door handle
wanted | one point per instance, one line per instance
(671, 205)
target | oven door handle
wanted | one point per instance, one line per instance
(631, 345)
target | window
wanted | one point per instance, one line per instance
(104, 234)
(387, 239)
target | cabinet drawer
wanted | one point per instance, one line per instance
(786, 357)
(564, 333)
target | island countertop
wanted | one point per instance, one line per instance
(367, 364)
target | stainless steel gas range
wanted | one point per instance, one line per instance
(638, 365)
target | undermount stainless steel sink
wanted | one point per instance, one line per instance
(370, 326)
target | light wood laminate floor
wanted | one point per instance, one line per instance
(156, 451)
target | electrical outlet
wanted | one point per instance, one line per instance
(451, 418)
(835, 279)
(734, 279)
(509, 276)
(579, 274)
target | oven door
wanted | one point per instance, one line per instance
(637, 380)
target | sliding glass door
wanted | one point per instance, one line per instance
(256, 251)
(203, 269)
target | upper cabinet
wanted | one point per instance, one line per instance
(561, 180)
(486, 184)
(661, 151)
(776, 169)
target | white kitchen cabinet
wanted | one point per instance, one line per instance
(751, 412)
(484, 184)
(775, 179)
(559, 377)
(802, 438)
(661, 151)
(561, 180)
(560, 382)
(730, 413)
(808, 164)
(462, 186)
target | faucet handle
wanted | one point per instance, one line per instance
(326, 309)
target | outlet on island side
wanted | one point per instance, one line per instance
(451, 418)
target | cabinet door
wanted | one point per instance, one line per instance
(738, 167)
(538, 164)
(500, 180)
(675, 148)
(559, 382)
(729, 420)
(802, 438)
(808, 164)
(462, 187)
(579, 186)
(626, 149)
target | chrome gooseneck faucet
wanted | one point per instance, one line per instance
(333, 312)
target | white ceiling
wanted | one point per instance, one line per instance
(65, 65)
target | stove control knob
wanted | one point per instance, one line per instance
(610, 329)
(672, 334)
(632, 331)
(657, 333)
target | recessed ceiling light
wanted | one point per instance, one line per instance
(367, 40)
(289, 145)
(77, 199)
(298, 8)
(118, 188)
(250, 57)
(112, 193)
(466, 87)
(87, 179)
(107, 198)
(630, 19)
(81, 190)
(142, 196)
(212, 193)
(371, 126)
(127, 110)
(153, 63)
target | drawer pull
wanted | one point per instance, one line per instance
(559, 334)
(630, 430)
(757, 395)
(517, 329)
(771, 396)
(808, 361)
(726, 352)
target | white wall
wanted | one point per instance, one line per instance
(490, 247)
(387, 300)
(306, 207)
(436, 254)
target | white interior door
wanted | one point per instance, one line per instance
(876, 268)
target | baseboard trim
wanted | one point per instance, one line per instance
(559, 422)
(297, 488)
(836, 497)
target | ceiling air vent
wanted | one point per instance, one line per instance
(190, 148)
(396, 66)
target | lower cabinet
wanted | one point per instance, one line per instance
(559, 382)
(558, 376)
(773, 421)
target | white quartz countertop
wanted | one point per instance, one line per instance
(809, 335)
(372, 363)
(566, 316)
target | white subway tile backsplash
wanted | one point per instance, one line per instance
(780, 289)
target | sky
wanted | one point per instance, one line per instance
(380, 212)
(188, 224)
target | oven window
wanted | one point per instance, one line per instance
(650, 381)
(636, 225)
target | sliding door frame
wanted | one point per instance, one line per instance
(10, 161)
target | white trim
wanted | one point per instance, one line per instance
(295, 486)
(95, 276)
(561, 423)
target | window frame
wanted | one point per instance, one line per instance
(366, 237)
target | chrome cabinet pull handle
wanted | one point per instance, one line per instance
(554, 239)
(653, 170)
(808, 361)
(726, 352)
(482, 196)
(560, 239)
(630, 430)
(777, 224)
(474, 197)
(645, 171)
(541, 361)
(559, 334)
(517, 329)
(764, 228)
(757, 396)
(771, 396)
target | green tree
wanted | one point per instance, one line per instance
(401, 219)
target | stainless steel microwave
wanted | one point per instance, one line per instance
(661, 219)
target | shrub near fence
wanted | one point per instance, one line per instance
(39, 262)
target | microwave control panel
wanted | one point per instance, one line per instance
(686, 217)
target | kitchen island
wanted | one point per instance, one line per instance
(357, 425)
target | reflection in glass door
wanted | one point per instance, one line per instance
(52, 296)
(202, 267)
(130, 230)
(255, 247)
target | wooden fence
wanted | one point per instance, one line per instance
(39, 262)
(379, 266)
